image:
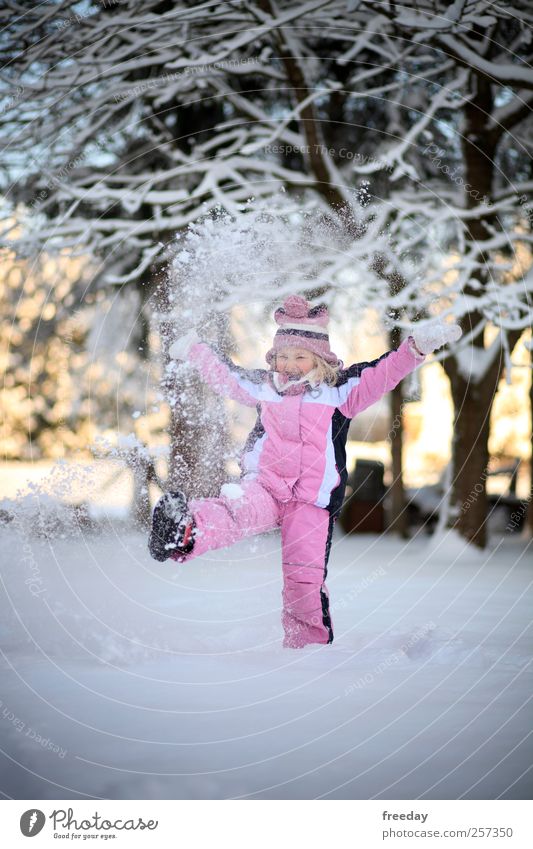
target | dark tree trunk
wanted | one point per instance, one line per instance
(473, 401)
(470, 453)
(398, 511)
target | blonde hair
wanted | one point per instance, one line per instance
(326, 373)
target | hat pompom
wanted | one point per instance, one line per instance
(296, 307)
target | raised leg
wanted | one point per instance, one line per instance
(224, 520)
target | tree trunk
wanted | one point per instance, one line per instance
(473, 401)
(470, 453)
(198, 427)
(398, 510)
(198, 435)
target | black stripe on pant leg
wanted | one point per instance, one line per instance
(326, 618)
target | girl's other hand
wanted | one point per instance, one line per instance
(434, 335)
(179, 350)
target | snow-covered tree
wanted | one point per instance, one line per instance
(69, 359)
(147, 119)
(44, 411)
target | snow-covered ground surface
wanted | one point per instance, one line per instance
(125, 678)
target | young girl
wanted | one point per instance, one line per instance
(294, 461)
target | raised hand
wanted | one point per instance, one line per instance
(434, 335)
(179, 350)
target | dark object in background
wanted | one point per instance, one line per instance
(363, 510)
(505, 511)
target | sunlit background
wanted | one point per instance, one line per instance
(70, 377)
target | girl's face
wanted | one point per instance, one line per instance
(294, 362)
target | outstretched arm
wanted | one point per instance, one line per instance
(223, 376)
(368, 382)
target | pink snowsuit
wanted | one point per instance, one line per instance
(293, 474)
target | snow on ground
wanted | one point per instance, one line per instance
(126, 678)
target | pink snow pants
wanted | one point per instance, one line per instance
(305, 542)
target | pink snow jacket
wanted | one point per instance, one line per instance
(297, 449)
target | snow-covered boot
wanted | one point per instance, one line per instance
(173, 527)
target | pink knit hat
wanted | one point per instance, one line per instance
(302, 326)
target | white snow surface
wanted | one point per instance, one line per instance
(126, 678)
